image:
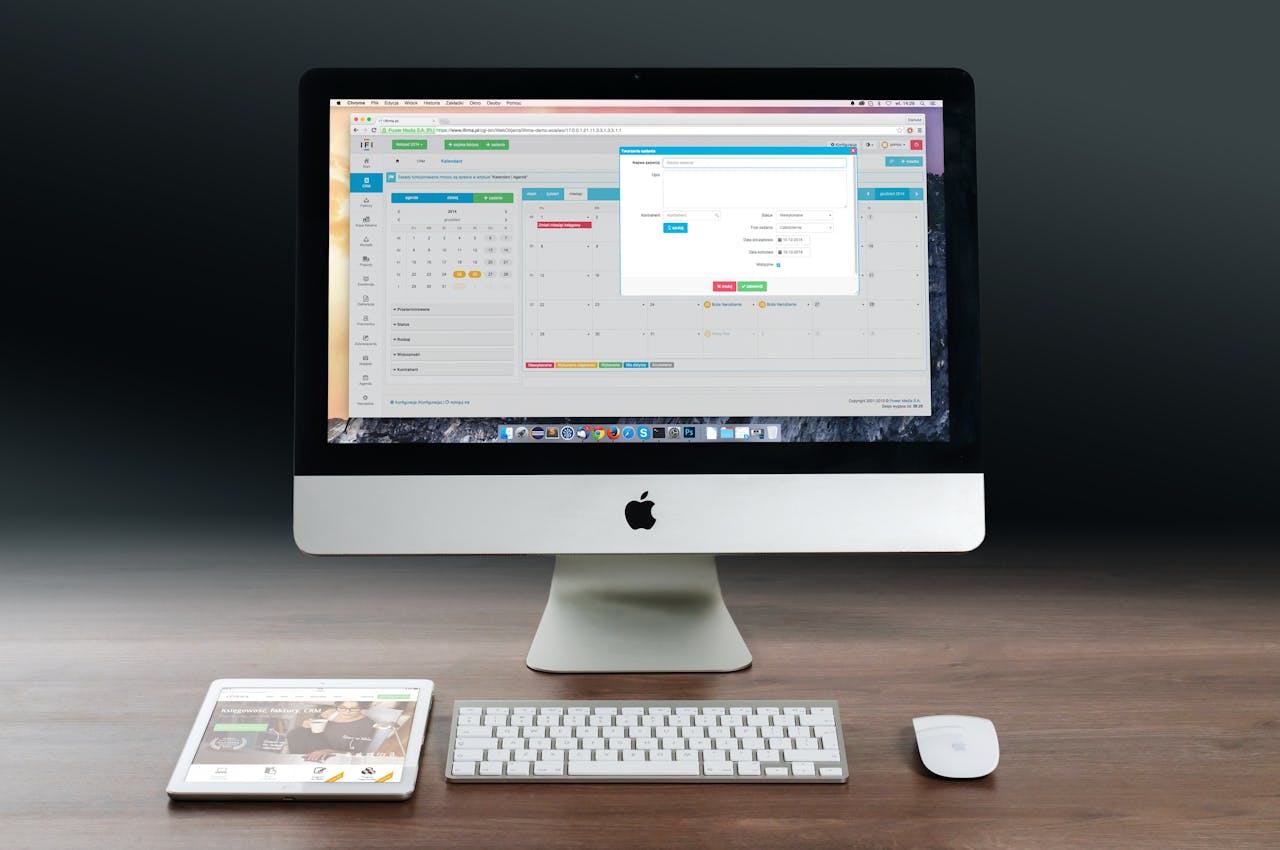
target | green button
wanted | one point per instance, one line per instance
(408, 144)
(239, 727)
(753, 286)
(393, 696)
(477, 144)
(609, 364)
(493, 198)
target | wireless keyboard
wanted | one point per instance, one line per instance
(646, 741)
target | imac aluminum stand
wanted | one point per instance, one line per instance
(637, 614)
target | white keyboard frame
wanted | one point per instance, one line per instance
(673, 704)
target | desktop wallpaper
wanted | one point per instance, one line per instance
(448, 429)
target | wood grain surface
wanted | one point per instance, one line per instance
(1135, 688)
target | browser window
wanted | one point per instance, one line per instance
(305, 735)
(507, 264)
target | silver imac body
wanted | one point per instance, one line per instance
(635, 319)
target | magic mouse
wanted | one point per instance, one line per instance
(956, 746)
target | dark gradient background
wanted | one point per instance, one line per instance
(1127, 206)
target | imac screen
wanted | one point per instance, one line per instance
(603, 271)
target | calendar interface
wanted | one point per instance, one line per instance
(508, 259)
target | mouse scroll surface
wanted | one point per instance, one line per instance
(957, 746)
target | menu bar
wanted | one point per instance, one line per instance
(507, 103)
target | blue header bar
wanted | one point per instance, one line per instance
(542, 194)
(881, 193)
(432, 197)
(744, 151)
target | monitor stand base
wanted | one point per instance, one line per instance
(637, 614)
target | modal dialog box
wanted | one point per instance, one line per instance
(718, 220)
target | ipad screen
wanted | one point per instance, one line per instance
(278, 734)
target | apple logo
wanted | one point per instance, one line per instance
(640, 514)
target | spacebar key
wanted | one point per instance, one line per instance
(635, 768)
(811, 755)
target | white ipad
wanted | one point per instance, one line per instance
(290, 739)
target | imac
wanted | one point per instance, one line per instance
(635, 319)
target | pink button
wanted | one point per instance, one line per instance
(724, 286)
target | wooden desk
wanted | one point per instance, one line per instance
(1136, 693)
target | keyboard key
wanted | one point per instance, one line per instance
(549, 768)
(518, 768)
(831, 771)
(491, 768)
(473, 743)
(812, 755)
(464, 768)
(687, 755)
(802, 768)
(633, 755)
(718, 768)
(469, 754)
(776, 771)
(579, 755)
(635, 768)
(748, 768)
(470, 709)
